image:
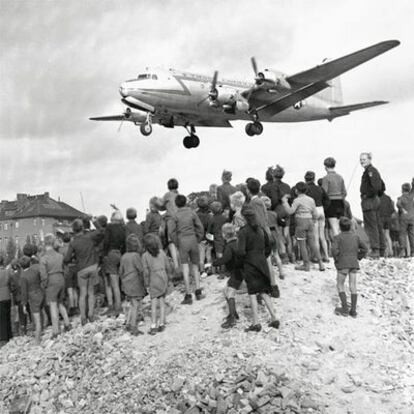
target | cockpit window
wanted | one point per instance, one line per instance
(144, 76)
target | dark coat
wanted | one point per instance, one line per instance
(224, 192)
(132, 227)
(253, 248)
(232, 262)
(372, 187)
(347, 249)
(271, 190)
(115, 236)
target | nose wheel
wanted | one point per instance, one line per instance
(192, 140)
(146, 127)
(254, 128)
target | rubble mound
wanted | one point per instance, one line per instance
(316, 363)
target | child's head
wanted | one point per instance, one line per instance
(237, 200)
(154, 204)
(229, 231)
(269, 174)
(329, 163)
(301, 187)
(345, 224)
(77, 226)
(50, 240)
(406, 188)
(116, 217)
(152, 244)
(216, 207)
(226, 176)
(86, 220)
(66, 237)
(29, 250)
(310, 176)
(278, 172)
(24, 262)
(101, 222)
(202, 202)
(131, 213)
(267, 202)
(250, 216)
(180, 201)
(172, 184)
(132, 243)
(253, 186)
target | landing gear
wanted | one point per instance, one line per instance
(146, 127)
(254, 128)
(192, 140)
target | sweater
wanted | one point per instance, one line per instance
(334, 186)
(347, 249)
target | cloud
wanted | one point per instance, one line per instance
(62, 64)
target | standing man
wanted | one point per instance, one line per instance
(372, 187)
(225, 190)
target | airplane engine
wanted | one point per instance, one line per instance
(226, 96)
(137, 116)
(276, 77)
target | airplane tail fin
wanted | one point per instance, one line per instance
(347, 109)
(333, 94)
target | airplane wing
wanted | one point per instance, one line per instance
(311, 81)
(183, 119)
(347, 109)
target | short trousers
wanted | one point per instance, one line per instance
(218, 246)
(386, 223)
(112, 262)
(336, 209)
(36, 300)
(55, 290)
(71, 278)
(304, 228)
(87, 275)
(346, 272)
(188, 249)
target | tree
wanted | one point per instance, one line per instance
(11, 250)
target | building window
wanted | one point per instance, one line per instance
(17, 240)
(43, 222)
(17, 224)
(5, 226)
(35, 222)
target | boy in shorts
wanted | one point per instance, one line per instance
(347, 249)
(186, 232)
(304, 209)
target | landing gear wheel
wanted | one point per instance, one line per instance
(146, 129)
(250, 129)
(188, 142)
(258, 128)
(195, 141)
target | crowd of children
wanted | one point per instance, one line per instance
(240, 232)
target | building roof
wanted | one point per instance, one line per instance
(42, 205)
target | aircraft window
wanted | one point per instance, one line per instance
(154, 77)
(144, 76)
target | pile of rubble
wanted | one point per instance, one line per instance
(316, 363)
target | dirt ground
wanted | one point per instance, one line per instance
(321, 363)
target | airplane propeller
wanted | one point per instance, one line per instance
(259, 77)
(213, 94)
(126, 114)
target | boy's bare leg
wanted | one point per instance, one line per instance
(186, 275)
(64, 314)
(269, 305)
(162, 311)
(255, 312)
(116, 291)
(54, 316)
(38, 327)
(82, 302)
(196, 274)
(91, 299)
(154, 303)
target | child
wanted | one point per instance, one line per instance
(32, 293)
(272, 221)
(20, 324)
(204, 214)
(214, 228)
(347, 249)
(237, 201)
(230, 259)
(131, 273)
(186, 232)
(405, 204)
(304, 209)
(51, 272)
(5, 304)
(253, 248)
(132, 227)
(156, 270)
(153, 219)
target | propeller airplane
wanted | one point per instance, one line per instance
(174, 98)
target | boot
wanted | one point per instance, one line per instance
(305, 267)
(188, 299)
(343, 310)
(353, 312)
(321, 266)
(275, 293)
(199, 294)
(231, 320)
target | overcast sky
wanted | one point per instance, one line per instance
(62, 62)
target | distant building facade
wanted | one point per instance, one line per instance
(34, 216)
